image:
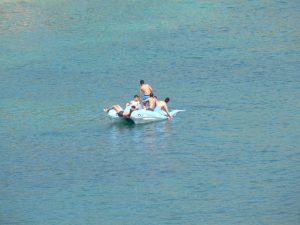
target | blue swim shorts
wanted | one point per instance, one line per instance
(145, 97)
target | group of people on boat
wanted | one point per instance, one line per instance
(146, 100)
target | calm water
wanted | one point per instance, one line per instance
(232, 158)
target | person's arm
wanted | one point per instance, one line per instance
(141, 93)
(147, 100)
(165, 108)
(151, 89)
(126, 114)
(129, 103)
(138, 105)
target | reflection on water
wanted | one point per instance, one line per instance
(150, 134)
(156, 132)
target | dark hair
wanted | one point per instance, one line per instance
(135, 96)
(142, 82)
(151, 94)
(132, 107)
(155, 97)
(167, 99)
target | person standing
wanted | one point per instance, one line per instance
(145, 90)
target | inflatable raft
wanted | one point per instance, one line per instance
(142, 116)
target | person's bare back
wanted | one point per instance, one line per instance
(163, 106)
(146, 89)
(152, 103)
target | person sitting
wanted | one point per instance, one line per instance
(120, 111)
(135, 102)
(151, 102)
(162, 105)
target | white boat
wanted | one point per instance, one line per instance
(142, 116)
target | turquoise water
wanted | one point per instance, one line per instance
(232, 158)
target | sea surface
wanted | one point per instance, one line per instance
(232, 158)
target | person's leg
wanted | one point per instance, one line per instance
(108, 109)
(118, 108)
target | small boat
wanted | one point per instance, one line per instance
(142, 116)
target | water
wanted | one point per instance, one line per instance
(232, 158)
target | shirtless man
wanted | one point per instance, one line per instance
(151, 102)
(163, 106)
(135, 102)
(145, 89)
(120, 111)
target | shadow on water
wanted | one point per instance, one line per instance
(122, 124)
(129, 124)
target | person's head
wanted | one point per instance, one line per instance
(167, 99)
(155, 97)
(142, 82)
(151, 95)
(136, 98)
